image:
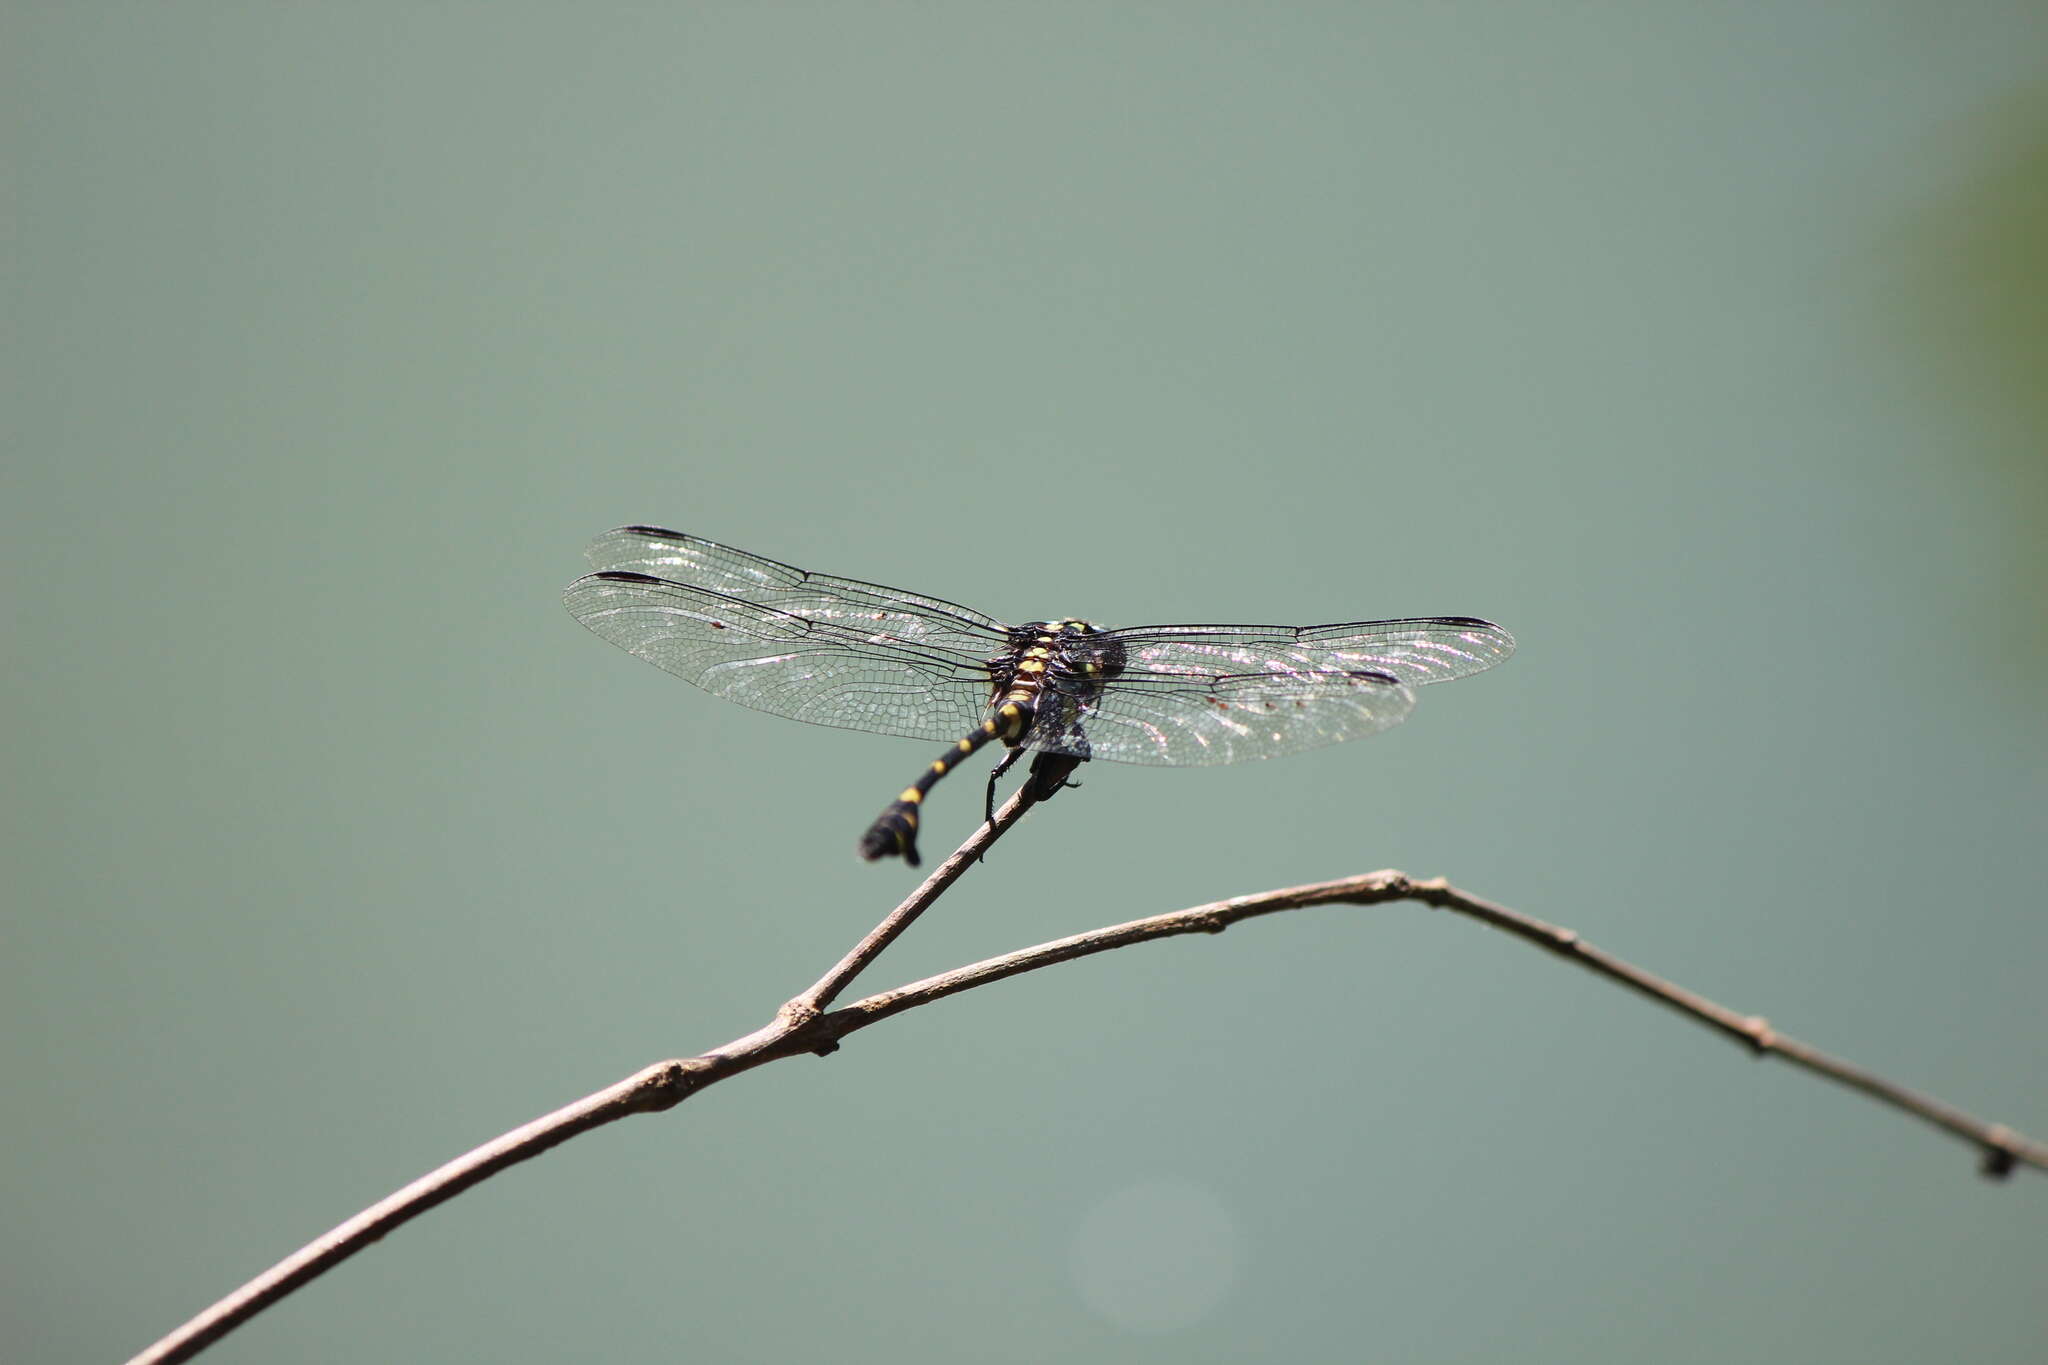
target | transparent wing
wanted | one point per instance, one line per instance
(809, 665)
(1223, 694)
(868, 609)
(1421, 650)
(1186, 721)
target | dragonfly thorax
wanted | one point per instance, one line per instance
(1069, 657)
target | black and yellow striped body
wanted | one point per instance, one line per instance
(1042, 656)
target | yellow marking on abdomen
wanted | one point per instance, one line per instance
(912, 795)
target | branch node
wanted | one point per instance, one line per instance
(665, 1085)
(1763, 1039)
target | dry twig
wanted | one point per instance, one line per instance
(808, 1023)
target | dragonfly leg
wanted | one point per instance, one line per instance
(988, 804)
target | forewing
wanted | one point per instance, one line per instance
(1185, 721)
(1417, 651)
(812, 667)
(1203, 694)
(864, 608)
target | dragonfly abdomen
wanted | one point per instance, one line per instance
(1018, 679)
(894, 832)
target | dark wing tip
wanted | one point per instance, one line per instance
(1498, 636)
(638, 530)
(1501, 635)
(569, 594)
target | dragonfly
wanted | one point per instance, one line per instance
(860, 656)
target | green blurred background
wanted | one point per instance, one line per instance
(1701, 345)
